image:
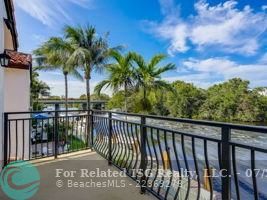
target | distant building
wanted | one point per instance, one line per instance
(15, 68)
(263, 92)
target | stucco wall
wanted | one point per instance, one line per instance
(17, 99)
(17, 90)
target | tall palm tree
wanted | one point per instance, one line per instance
(121, 74)
(53, 55)
(90, 52)
(149, 75)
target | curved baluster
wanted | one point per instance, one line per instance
(167, 149)
(235, 173)
(178, 165)
(208, 168)
(196, 167)
(187, 167)
(156, 156)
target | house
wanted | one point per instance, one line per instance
(15, 68)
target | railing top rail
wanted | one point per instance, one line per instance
(261, 129)
(38, 112)
(69, 101)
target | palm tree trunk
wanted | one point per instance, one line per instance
(66, 106)
(88, 94)
(66, 93)
(88, 140)
(125, 97)
(144, 99)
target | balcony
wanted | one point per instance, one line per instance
(164, 158)
(67, 188)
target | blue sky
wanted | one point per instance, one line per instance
(209, 41)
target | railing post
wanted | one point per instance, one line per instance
(92, 129)
(226, 163)
(84, 106)
(110, 138)
(56, 130)
(5, 138)
(143, 138)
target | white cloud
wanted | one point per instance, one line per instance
(209, 65)
(264, 7)
(50, 12)
(168, 7)
(207, 72)
(223, 26)
(202, 80)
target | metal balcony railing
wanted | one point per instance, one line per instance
(169, 157)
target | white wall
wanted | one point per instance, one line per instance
(2, 15)
(17, 99)
(17, 90)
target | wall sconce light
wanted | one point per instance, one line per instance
(4, 59)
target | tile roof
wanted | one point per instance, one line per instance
(19, 60)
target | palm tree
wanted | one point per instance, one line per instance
(121, 75)
(53, 55)
(149, 75)
(90, 52)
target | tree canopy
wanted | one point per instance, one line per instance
(232, 100)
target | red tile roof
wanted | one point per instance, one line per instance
(19, 60)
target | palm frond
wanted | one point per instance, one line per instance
(139, 60)
(76, 74)
(101, 85)
(116, 55)
(165, 68)
(79, 57)
(156, 59)
(47, 68)
(72, 34)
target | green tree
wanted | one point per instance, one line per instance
(159, 106)
(53, 55)
(90, 52)
(54, 98)
(38, 88)
(185, 100)
(116, 101)
(231, 101)
(121, 75)
(148, 76)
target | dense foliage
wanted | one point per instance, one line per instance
(38, 88)
(229, 101)
(185, 100)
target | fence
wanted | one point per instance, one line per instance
(169, 157)
(180, 163)
(35, 135)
